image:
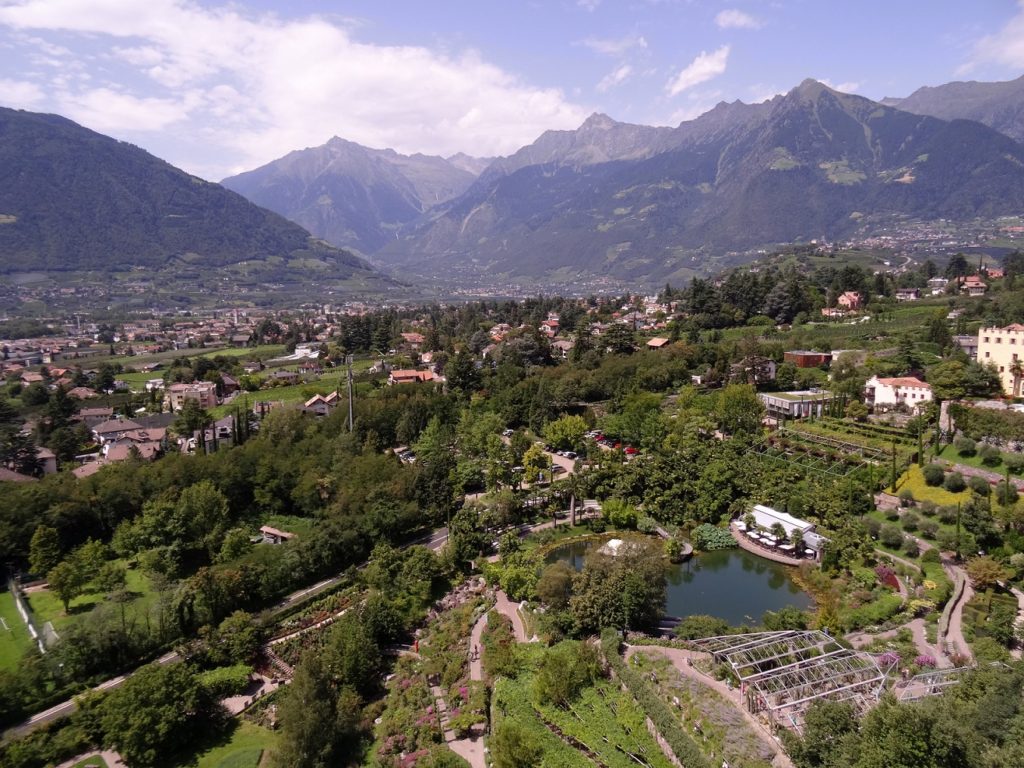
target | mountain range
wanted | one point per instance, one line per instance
(75, 200)
(607, 200)
(645, 203)
(354, 196)
(997, 105)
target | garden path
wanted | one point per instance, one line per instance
(506, 607)
(469, 749)
(1016, 652)
(680, 659)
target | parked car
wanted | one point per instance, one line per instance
(631, 451)
(508, 433)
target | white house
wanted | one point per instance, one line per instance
(904, 390)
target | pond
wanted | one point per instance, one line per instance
(731, 584)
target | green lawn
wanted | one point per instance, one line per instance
(96, 761)
(243, 749)
(14, 640)
(949, 453)
(264, 352)
(46, 606)
(913, 479)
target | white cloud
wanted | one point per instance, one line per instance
(104, 109)
(255, 86)
(703, 68)
(615, 46)
(1004, 48)
(19, 94)
(850, 86)
(733, 18)
(616, 77)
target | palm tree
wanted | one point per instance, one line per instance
(779, 533)
(797, 540)
(1017, 370)
(749, 520)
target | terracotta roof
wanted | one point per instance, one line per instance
(905, 381)
(10, 476)
(657, 342)
(271, 531)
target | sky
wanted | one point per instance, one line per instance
(217, 88)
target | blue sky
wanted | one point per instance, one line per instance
(216, 88)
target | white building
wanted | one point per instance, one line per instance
(1004, 348)
(904, 390)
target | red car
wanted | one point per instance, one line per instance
(631, 451)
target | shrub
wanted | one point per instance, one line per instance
(930, 529)
(646, 524)
(965, 446)
(890, 536)
(1014, 462)
(1006, 493)
(954, 482)
(979, 485)
(990, 456)
(907, 497)
(947, 514)
(226, 681)
(928, 508)
(931, 556)
(708, 537)
(911, 547)
(911, 521)
(933, 474)
(946, 540)
(873, 527)
(892, 514)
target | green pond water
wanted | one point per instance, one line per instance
(731, 584)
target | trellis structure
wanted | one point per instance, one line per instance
(930, 683)
(783, 673)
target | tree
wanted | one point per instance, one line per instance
(985, 572)
(957, 267)
(828, 725)
(620, 339)
(462, 374)
(66, 581)
(307, 714)
(203, 510)
(536, 464)
(238, 638)
(566, 433)
(739, 410)
(145, 718)
(857, 411)
(554, 588)
(191, 418)
(44, 550)
(565, 670)
(514, 746)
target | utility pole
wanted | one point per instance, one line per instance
(348, 364)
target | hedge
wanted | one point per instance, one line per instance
(668, 725)
(226, 681)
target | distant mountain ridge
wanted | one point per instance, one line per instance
(998, 105)
(641, 203)
(354, 196)
(72, 199)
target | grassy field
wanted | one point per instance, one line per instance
(913, 479)
(243, 749)
(96, 761)
(14, 640)
(333, 379)
(46, 606)
(262, 352)
(949, 453)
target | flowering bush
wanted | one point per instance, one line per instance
(888, 659)
(926, 661)
(887, 576)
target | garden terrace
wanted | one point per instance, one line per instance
(930, 683)
(817, 453)
(783, 673)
